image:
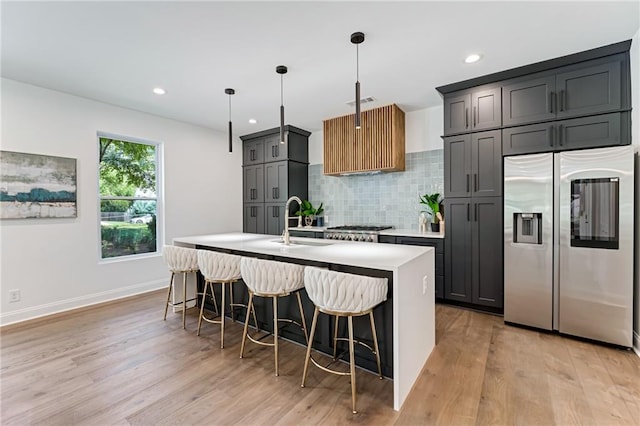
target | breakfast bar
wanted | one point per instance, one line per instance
(406, 320)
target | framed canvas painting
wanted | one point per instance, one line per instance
(37, 186)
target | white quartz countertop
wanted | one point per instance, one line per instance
(365, 255)
(411, 233)
(308, 228)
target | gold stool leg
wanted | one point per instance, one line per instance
(184, 300)
(255, 320)
(246, 323)
(204, 296)
(275, 330)
(335, 337)
(352, 364)
(306, 358)
(231, 302)
(166, 305)
(375, 343)
(222, 317)
(304, 322)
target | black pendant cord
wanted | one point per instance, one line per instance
(357, 121)
(281, 109)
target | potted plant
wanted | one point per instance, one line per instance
(433, 202)
(309, 212)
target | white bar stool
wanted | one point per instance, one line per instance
(219, 268)
(343, 295)
(180, 260)
(267, 278)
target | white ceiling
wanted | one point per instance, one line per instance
(116, 52)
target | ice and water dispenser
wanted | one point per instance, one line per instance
(527, 228)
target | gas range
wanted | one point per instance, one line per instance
(354, 233)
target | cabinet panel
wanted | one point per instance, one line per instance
(274, 150)
(274, 218)
(457, 160)
(590, 132)
(486, 168)
(457, 248)
(275, 182)
(528, 139)
(590, 90)
(253, 218)
(253, 152)
(487, 244)
(253, 183)
(528, 101)
(456, 114)
(486, 109)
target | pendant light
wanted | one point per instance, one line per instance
(230, 92)
(282, 70)
(357, 38)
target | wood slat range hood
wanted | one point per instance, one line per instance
(378, 146)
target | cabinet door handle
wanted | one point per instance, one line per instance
(475, 116)
(466, 118)
(277, 151)
(562, 100)
(560, 131)
(475, 212)
(551, 132)
(277, 193)
(475, 182)
(468, 219)
(551, 102)
(467, 182)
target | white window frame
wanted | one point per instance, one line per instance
(159, 197)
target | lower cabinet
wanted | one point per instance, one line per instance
(274, 218)
(253, 218)
(473, 251)
(437, 243)
(306, 234)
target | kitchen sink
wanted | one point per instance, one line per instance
(302, 243)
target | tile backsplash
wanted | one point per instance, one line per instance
(379, 199)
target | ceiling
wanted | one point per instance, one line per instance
(117, 52)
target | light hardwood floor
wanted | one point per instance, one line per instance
(119, 363)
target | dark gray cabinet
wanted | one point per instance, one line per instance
(272, 172)
(473, 251)
(276, 182)
(253, 218)
(473, 110)
(473, 165)
(306, 234)
(591, 87)
(253, 152)
(253, 183)
(585, 132)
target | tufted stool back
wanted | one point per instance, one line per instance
(342, 292)
(270, 277)
(180, 259)
(218, 266)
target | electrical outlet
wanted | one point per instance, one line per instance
(14, 296)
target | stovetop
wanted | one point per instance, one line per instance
(358, 228)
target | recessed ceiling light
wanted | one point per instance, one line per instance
(159, 91)
(253, 121)
(472, 58)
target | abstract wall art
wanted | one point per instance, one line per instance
(37, 186)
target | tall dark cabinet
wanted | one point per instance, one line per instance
(272, 172)
(573, 102)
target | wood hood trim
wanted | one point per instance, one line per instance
(379, 145)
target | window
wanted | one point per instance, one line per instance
(128, 180)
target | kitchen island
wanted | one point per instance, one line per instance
(406, 321)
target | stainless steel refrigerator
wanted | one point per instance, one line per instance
(568, 242)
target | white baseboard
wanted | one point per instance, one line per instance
(636, 342)
(78, 302)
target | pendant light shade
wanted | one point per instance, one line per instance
(357, 38)
(282, 70)
(230, 92)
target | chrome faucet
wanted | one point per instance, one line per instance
(285, 233)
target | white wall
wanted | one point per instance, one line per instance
(423, 129)
(55, 262)
(635, 138)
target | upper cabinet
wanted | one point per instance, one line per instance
(472, 110)
(587, 88)
(266, 146)
(377, 146)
